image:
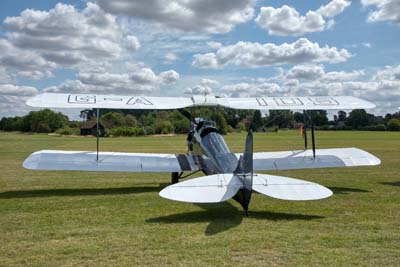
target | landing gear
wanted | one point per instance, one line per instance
(175, 177)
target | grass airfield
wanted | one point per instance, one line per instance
(118, 219)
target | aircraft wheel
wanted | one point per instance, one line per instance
(174, 177)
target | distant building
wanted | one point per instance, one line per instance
(90, 128)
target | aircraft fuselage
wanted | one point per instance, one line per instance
(209, 149)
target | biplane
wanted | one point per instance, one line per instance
(227, 174)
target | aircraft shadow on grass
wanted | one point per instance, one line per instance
(347, 190)
(397, 183)
(80, 192)
(224, 216)
(221, 216)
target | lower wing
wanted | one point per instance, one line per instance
(108, 161)
(303, 159)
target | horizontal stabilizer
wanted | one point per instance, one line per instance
(89, 101)
(303, 159)
(288, 188)
(206, 189)
(108, 161)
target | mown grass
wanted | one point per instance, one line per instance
(102, 219)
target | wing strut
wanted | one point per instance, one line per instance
(312, 133)
(97, 135)
(305, 129)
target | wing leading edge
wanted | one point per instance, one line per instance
(87, 101)
(108, 161)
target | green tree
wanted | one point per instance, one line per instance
(113, 119)
(163, 127)
(281, 118)
(131, 121)
(394, 124)
(320, 117)
(220, 120)
(357, 118)
(257, 121)
(46, 120)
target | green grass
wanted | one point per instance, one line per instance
(102, 219)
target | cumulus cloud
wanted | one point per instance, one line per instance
(317, 72)
(205, 86)
(62, 37)
(14, 90)
(253, 89)
(187, 15)
(141, 80)
(248, 54)
(382, 88)
(22, 59)
(384, 10)
(287, 20)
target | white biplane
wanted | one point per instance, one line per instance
(228, 175)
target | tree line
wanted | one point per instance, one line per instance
(143, 122)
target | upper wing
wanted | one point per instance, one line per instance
(303, 159)
(297, 103)
(88, 101)
(108, 161)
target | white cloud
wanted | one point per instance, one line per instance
(187, 15)
(170, 58)
(388, 73)
(253, 89)
(199, 89)
(140, 80)
(15, 90)
(205, 86)
(306, 72)
(169, 77)
(248, 54)
(63, 37)
(214, 45)
(287, 20)
(132, 42)
(209, 82)
(384, 10)
(22, 59)
(381, 88)
(333, 8)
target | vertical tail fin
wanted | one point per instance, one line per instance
(244, 171)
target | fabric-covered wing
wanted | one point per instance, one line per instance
(297, 103)
(88, 101)
(108, 161)
(303, 159)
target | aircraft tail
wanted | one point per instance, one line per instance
(244, 171)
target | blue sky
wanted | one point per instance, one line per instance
(227, 47)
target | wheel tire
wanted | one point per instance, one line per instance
(174, 177)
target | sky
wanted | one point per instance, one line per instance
(236, 48)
